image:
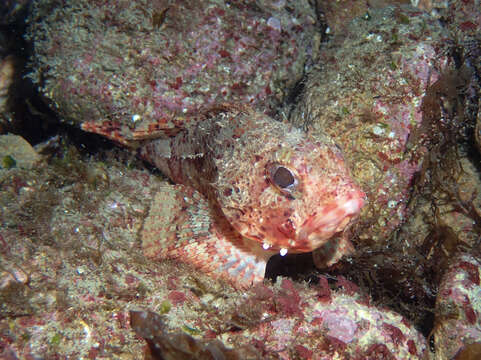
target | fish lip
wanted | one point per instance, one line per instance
(322, 226)
(314, 231)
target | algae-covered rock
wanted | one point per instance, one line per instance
(16, 151)
(150, 65)
(458, 309)
(292, 321)
(371, 94)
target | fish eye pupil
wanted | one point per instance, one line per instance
(283, 177)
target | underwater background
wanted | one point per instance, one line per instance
(107, 250)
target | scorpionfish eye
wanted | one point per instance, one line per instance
(283, 178)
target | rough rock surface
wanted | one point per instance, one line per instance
(18, 151)
(370, 95)
(151, 66)
(290, 321)
(458, 309)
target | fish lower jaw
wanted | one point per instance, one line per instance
(332, 219)
(315, 236)
(304, 242)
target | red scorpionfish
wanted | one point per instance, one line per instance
(264, 186)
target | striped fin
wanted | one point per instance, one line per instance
(181, 225)
(129, 137)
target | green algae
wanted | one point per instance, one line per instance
(190, 330)
(165, 307)
(55, 340)
(8, 162)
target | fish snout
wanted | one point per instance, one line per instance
(331, 219)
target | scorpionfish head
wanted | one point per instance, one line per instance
(291, 195)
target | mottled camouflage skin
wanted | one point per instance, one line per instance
(240, 160)
(149, 69)
(366, 93)
(183, 226)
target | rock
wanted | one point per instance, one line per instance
(458, 309)
(16, 151)
(292, 321)
(148, 65)
(339, 14)
(371, 93)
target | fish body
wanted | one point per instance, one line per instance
(273, 183)
(264, 184)
(244, 188)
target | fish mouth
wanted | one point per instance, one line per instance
(332, 219)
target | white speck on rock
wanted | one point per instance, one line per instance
(274, 23)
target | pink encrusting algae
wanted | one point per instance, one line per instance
(181, 59)
(458, 308)
(293, 321)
